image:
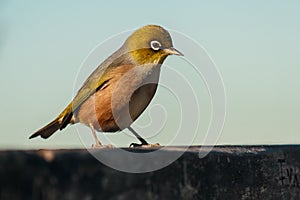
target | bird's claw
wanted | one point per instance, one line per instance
(100, 146)
(134, 145)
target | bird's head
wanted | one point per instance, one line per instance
(150, 44)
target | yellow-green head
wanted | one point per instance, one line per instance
(150, 44)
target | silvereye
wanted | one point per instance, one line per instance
(122, 85)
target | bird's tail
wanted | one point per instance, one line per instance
(59, 123)
(48, 130)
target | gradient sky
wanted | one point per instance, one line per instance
(255, 45)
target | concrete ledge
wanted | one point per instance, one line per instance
(228, 172)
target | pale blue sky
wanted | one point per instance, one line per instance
(255, 45)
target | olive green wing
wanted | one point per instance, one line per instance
(92, 84)
(95, 81)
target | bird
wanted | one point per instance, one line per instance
(120, 88)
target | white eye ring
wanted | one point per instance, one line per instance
(155, 45)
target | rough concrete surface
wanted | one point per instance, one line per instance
(227, 172)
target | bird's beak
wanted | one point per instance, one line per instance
(173, 51)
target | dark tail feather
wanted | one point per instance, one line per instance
(48, 130)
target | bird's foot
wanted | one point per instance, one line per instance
(101, 146)
(134, 145)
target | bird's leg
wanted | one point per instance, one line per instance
(144, 143)
(97, 142)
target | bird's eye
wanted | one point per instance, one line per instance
(155, 45)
